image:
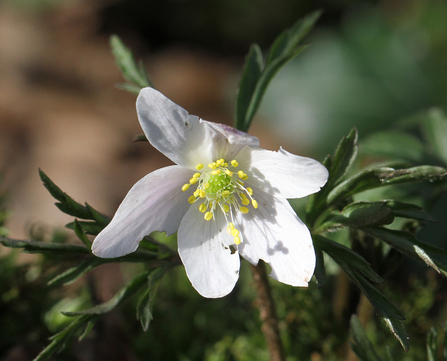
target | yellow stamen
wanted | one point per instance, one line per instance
(229, 172)
(243, 210)
(212, 165)
(249, 191)
(193, 180)
(235, 232)
(196, 175)
(185, 187)
(215, 172)
(241, 174)
(225, 193)
(245, 200)
(199, 166)
(234, 163)
(255, 204)
(226, 208)
(197, 193)
(237, 240)
(202, 208)
(207, 185)
(202, 193)
(208, 216)
(191, 199)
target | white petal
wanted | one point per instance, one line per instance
(275, 234)
(204, 249)
(281, 173)
(186, 139)
(155, 203)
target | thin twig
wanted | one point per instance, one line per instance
(267, 313)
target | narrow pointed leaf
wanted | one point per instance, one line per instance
(97, 216)
(432, 345)
(320, 271)
(127, 291)
(81, 234)
(407, 210)
(92, 228)
(344, 157)
(379, 177)
(409, 245)
(398, 330)
(73, 274)
(435, 131)
(78, 210)
(43, 247)
(54, 190)
(126, 62)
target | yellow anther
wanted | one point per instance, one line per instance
(237, 240)
(212, 165)
(234, 163)
(196, 175)
(228, 172)
(193, 180)
(196, 193)
(207, 185)
(208, 216)
(243, 209)
(245, 177)
(215, 172)
(185, 187)
(241, 174)
(225, 193)
(230, 226)
(202, 208)
(222, 161)
(226, 208)
(255, 204)
(249, 191)
(235, 232)
(245, 200)
(199, 166)
(191, 199)
(202, 193)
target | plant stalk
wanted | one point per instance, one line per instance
(267, 313)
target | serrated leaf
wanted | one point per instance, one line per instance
(73, 274)
(379, 177)
(127, 291)
(92, 228)
(125, 60)
(346, 258)
(407, 210)
(284, 48)
(409, 245)
(435, 131)
(398, 330)
(54, 190)
(81, 235)
(43, 247)
(394, 144)
(102, 219)
(362, 347)
(251, 73)
(343, 158)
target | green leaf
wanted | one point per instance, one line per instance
(406, 210)
(435, 131)
(348, 259)
(73, 274)
(78, 210)
(362, 346)
(55, 249)
(337, 166)
(125, 60)
(284, 48)
(81, 235)
(432, 345)
(394, 144)
(54, 190)
(97, 216)
(127, 291)
(320, 271)
(379, 177)
(131, 88)
(92, 228)
(398, 330)
(59, 341)
(409, 245)
(251, 73)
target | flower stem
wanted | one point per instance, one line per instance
(267, 313)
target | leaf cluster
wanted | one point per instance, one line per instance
(334, 208)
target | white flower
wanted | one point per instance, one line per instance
(225, 197)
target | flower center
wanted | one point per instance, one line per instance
(222, 188)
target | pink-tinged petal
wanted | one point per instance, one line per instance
(155, 203)
(186, 139)
(203, 246)
(274, 233)
(281, 173)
